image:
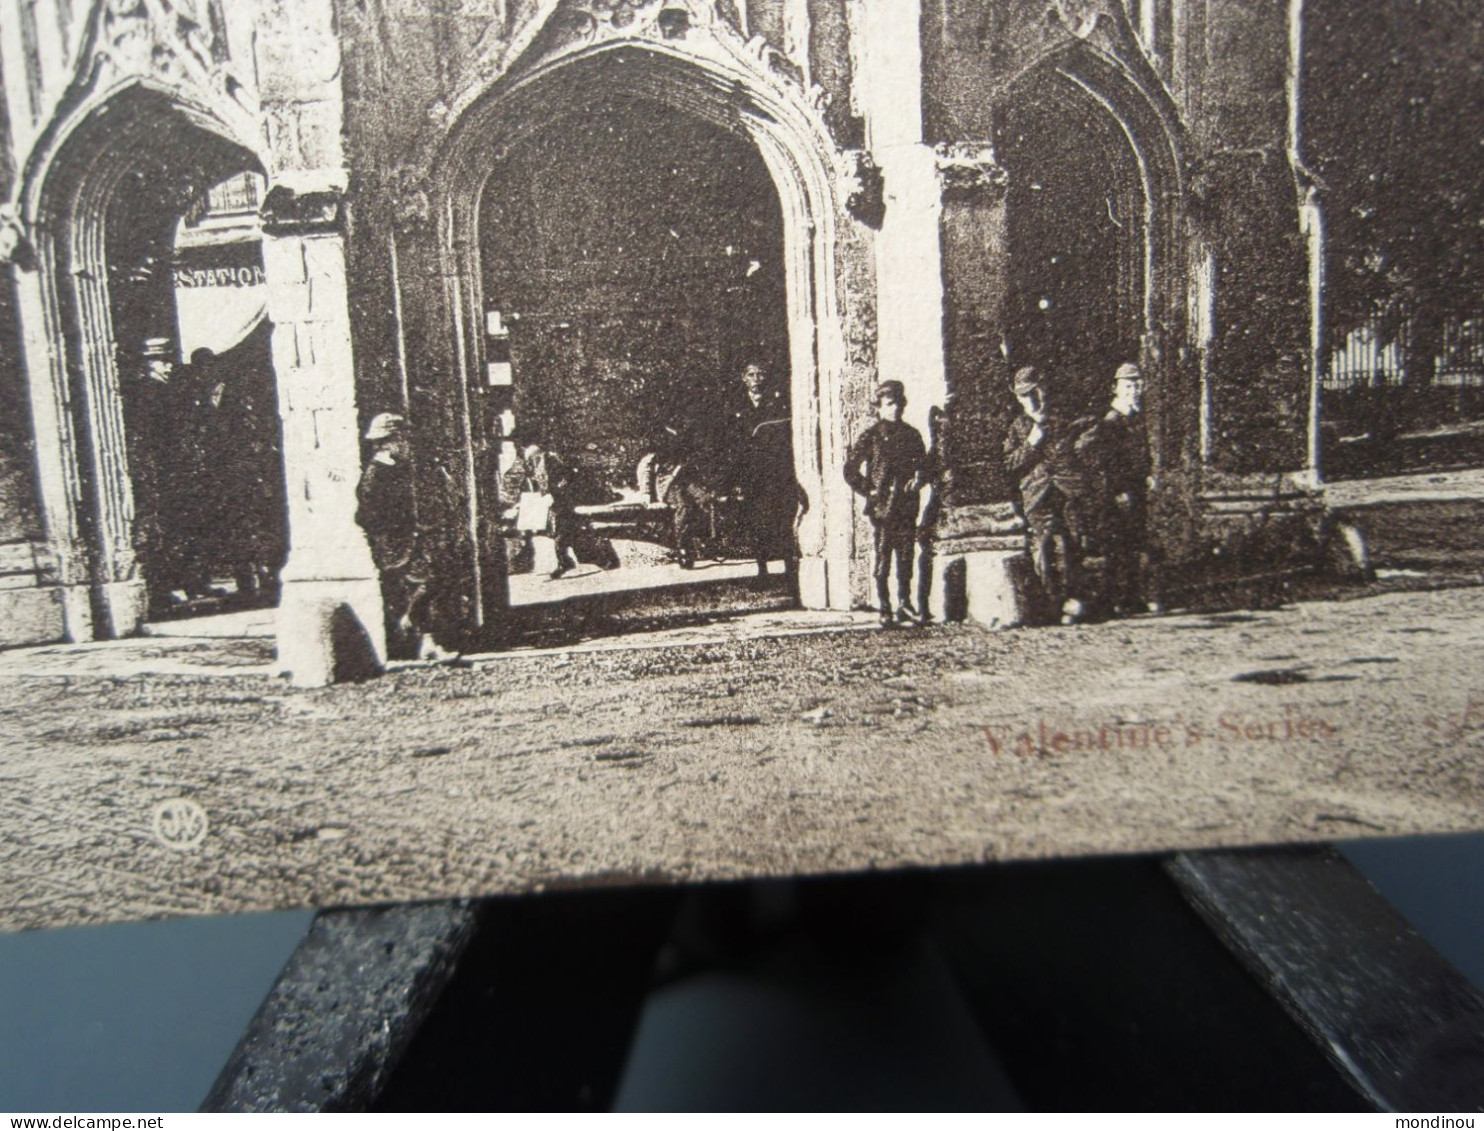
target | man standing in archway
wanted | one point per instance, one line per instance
(764, 473)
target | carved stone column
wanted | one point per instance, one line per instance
(117, 586)
(330, 618)
(983, 570)
(1262, 229)
(976, 279)
(63, 562)
(330, 608)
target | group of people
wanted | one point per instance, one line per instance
(1084, 492)
(544, 490)
(211, 482)
(746, 459)
(749, 462)
(743, 464)
(1082, 486)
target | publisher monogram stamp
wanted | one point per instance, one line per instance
(180, 824)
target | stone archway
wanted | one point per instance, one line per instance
(133, 155)
(1076, 104)
(797, 157)
(632, 256)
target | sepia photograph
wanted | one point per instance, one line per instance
(453, 448)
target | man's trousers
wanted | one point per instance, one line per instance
(893, 541)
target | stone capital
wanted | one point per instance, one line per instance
(863, 187)
(16, 248)
(969, 171)
(307, 210)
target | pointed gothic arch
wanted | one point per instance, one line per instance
(137, 132)
(718, 88)
(1081, 104)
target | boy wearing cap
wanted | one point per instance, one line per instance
(384, 495)
(887, 465)
(1042, 457)
(1116, 449)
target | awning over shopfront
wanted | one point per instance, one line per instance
(220, 296)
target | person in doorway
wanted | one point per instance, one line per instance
(761, 400)
(245, 469)
(1115, 450)
(385, 511)
(199, 472)
(763, 477)
(887, 464)
(682, 484)
(1041, 458)
(544, 474)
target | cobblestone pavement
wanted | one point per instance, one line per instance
(728, 756)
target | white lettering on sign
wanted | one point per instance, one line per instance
(188, 277)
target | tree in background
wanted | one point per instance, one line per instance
(1393, 125)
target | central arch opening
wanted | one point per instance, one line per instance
(637, 367)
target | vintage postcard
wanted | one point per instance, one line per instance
(492, 445)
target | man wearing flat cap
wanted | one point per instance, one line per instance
(888, 465)
(1042, 459)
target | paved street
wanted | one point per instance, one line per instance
(734, 750)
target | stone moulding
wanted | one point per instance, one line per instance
(969, 171)
(684, 29)
(862, 187)
(287, 212)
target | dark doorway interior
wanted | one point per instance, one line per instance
(1077, 236)
(633, 266)
(203, 431)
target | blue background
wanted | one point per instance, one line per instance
(140, 1017)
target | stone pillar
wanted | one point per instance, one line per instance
(1257, 384)
(64, 565)
(985, 572)
(976, 280)
(909, 266)
(117, 588)
(330, 616)
(1257, 283)
(1311, 224)
(819, 364)
(77, 413)
(330, 613)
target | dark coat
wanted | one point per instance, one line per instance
(1116, 451)
(1052, 467)
(887, 465)
(385, 512)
